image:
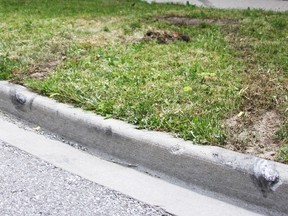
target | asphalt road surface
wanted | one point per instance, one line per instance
(30, 186)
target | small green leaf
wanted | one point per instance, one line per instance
(54, 94)
(187, 89)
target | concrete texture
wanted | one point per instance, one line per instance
(234, 175)
(275, 5)
(50, 181)
(30, 186)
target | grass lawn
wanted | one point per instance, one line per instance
(217, 77)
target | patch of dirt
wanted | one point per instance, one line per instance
(38, 71)
(100, 39)
(41, 70)
(257, 138)
(165, 37)
(178, 20)
(98, 32)
(264, 95)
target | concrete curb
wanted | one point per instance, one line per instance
(256, 181)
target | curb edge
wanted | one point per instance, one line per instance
(253, 180)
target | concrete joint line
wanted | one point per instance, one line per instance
(253, 180)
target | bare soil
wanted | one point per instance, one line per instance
(188, 21)
(41, 70)
(256, 139)
(38, 71)
(165, 37)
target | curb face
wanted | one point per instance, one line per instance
(254, 180)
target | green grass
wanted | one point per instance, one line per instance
(282, 134)
(187, 89)
(7, 66)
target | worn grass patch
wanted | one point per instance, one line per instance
(211, 76)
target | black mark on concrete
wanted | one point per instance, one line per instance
(18, 99)
(265, 176)
(108, 131)
(31, 102)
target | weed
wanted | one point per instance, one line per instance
(8, 68)
(282, 154)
